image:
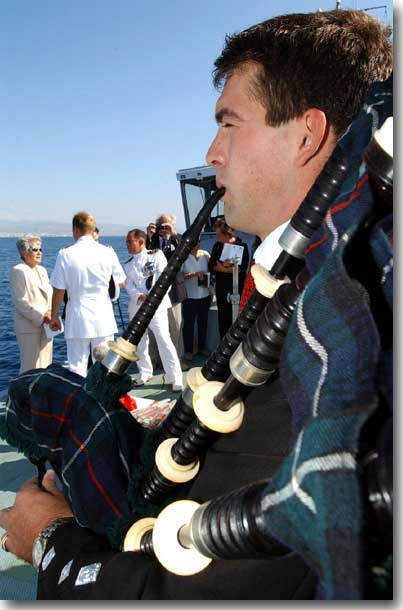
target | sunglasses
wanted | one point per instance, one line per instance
(165, 227)
(35, 249)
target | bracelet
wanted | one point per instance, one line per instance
(39, 546)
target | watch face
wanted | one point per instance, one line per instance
(37, 552)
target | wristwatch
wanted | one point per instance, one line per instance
(39, 546)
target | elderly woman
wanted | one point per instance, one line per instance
(31, 293)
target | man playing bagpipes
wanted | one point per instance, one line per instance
(292, 86)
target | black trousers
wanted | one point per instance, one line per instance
(195, 310)
(224, 316)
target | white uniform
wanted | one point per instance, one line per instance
(149, 264)
(84, 270)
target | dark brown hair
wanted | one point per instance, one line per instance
(138, 234)
(224, 228)
(324, 60)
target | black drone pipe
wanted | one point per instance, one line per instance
(233, 526)
(261, 350)
(228, 527)
(216, 367)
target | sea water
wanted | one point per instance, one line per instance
(9, 352)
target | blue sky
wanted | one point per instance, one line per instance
(103, 101)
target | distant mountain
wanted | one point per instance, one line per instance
(11, 228)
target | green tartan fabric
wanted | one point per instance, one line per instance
(336, 368)
(92, 444)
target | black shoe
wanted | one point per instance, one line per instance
(184, 366)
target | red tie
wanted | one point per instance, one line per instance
(248, 288)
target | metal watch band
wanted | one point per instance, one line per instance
(39, 546)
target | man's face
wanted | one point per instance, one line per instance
(253, 160)
(133, 244)
(165, 228)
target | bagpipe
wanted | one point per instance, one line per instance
(187, 536)
(316, 318)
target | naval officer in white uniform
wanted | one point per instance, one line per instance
(142, 270)
(84, 270)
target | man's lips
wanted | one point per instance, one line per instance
(220, 185)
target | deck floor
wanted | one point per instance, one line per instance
(17, 578)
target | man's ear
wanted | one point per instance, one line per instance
(313, 132)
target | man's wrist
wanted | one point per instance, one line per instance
(40, 542)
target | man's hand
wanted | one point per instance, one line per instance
(34, 509)
(57, 298)
(141, 298)
(54, 323)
